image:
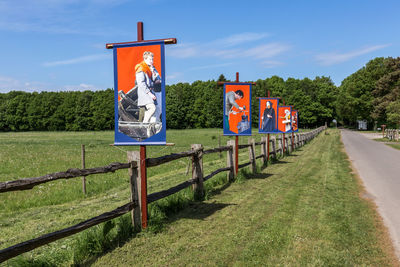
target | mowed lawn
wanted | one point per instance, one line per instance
(305, 210)
(56, 205)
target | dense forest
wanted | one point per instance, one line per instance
(372, 93)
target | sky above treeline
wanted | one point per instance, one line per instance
(59, 45)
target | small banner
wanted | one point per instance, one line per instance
(268, 112)
(285, 119)
(295, 121)
(139, 98)
(237, 109)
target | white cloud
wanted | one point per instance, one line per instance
(211, 66)
(175, 77)
(226, 47)
(77, 60)
(271, 63)
(258, 52)
(53, 16)
(12, 84)
(240, 38)
(80, 87)
(333, 58)
(8, 84)
(212, 50)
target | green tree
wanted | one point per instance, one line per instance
(387, 92)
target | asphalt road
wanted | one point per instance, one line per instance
(379, 167)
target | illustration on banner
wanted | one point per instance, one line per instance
(140, 94)
(284, 119)
(295, 120)
(237, 109)
(268, 115)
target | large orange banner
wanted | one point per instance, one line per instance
(237, 109)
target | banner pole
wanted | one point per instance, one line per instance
(268, 134)
(237, 139)
(143, 173)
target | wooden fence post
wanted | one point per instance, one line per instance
(135, 185)
(273, 140)
(252, 155)
(83, 167)
(235, 157)
(197, 171)
(285, 143)
(264, 151)
(295, 141)
(280, 148)
(230, 162)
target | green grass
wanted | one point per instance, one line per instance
(49, 207)
(396, 146)
(388, 142)
(303, 211)
(295, 212)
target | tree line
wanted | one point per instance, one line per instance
(372, 93)
(195, 105)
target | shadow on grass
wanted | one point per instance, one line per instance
(217, 191)
(281, 162)
(259, 176)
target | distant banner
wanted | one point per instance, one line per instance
(285, 119)
(295, 121)
(237, 109)
(268, 111)
(139, 98)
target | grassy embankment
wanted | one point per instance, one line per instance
(304, 210)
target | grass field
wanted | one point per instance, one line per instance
(56, 205)
(304, 210)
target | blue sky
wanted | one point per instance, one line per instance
(54, 45)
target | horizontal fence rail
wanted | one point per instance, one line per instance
(278, 144)
(29, 245)
(29, 183)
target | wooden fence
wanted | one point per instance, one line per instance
(279, 145)
(392, 134)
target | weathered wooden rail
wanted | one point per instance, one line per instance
(134, 205)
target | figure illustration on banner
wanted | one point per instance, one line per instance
(230, 102)
(287, 120)
(149, 88)
(268, 118)
(294, 121)
(140, 109)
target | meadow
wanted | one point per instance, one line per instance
(52, 206)
(304, 210)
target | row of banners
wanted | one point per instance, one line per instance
(273, 118)
(139, 82)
